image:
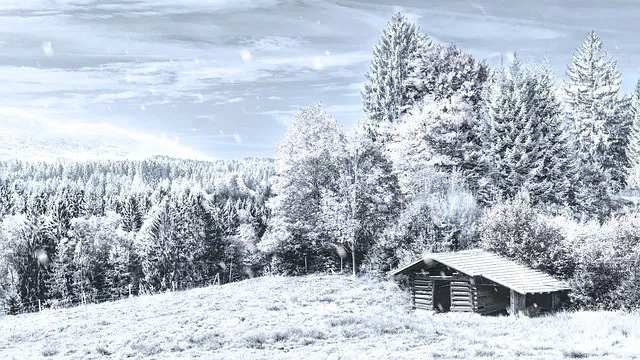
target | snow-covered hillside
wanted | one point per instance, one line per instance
(314, 317)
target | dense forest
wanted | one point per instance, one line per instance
(75, 232)
(451, 154)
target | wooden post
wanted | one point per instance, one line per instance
(39, 305)
(516, 303)
(129, 290)
(306, 269)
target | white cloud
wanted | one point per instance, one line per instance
(283, 117)
(141, 7)
(113, 97)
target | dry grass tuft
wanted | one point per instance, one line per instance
(312, 317)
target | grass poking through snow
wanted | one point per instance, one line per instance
(313, 317)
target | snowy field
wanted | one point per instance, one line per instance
(314, 317)
(221, 78)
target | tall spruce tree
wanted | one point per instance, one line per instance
(526, 147)
(507, 140)
(384, 94)
(634, 141)
(600, 122)
(552, 181)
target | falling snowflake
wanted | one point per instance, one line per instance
(142, 107)
(510, 55)
(47, 48)
(246, 55)
(43, 258)
(318, 64)
(237, 138)
(327, 52)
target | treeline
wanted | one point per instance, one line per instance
(452, 155)
(75, 232)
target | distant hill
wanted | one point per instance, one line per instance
(38, 142)
(313, 317)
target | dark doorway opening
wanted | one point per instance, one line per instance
(442, 296)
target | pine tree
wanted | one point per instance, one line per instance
(383, 95)
(61, 282)
(634, 141)
(131, 215)
(509, 148)
(551, 183)
(600, 122)
(526, 147)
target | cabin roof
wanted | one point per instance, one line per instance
(493, 267)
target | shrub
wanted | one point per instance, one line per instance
(517, 231)
(606, 256)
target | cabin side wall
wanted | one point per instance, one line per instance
(421, 292)
(489, 297)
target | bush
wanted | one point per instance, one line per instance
(517, 231)
(607, 257)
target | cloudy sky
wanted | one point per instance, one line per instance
(221, 78)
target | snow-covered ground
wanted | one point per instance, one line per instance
(222, 77)
(314, 317)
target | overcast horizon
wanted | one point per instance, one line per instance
(221, 79)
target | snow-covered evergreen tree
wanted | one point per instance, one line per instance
(633, 152)
(384, 95)
(600, 119)
(526, 147)
(443, 71)
(551, 183)
(131, 214)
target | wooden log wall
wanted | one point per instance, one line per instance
(490, 298)
(462, 295)
(422, 292)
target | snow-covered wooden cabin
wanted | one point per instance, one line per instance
(481, 282)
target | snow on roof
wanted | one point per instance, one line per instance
(492, 267)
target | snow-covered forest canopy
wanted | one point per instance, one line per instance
(451, 155)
